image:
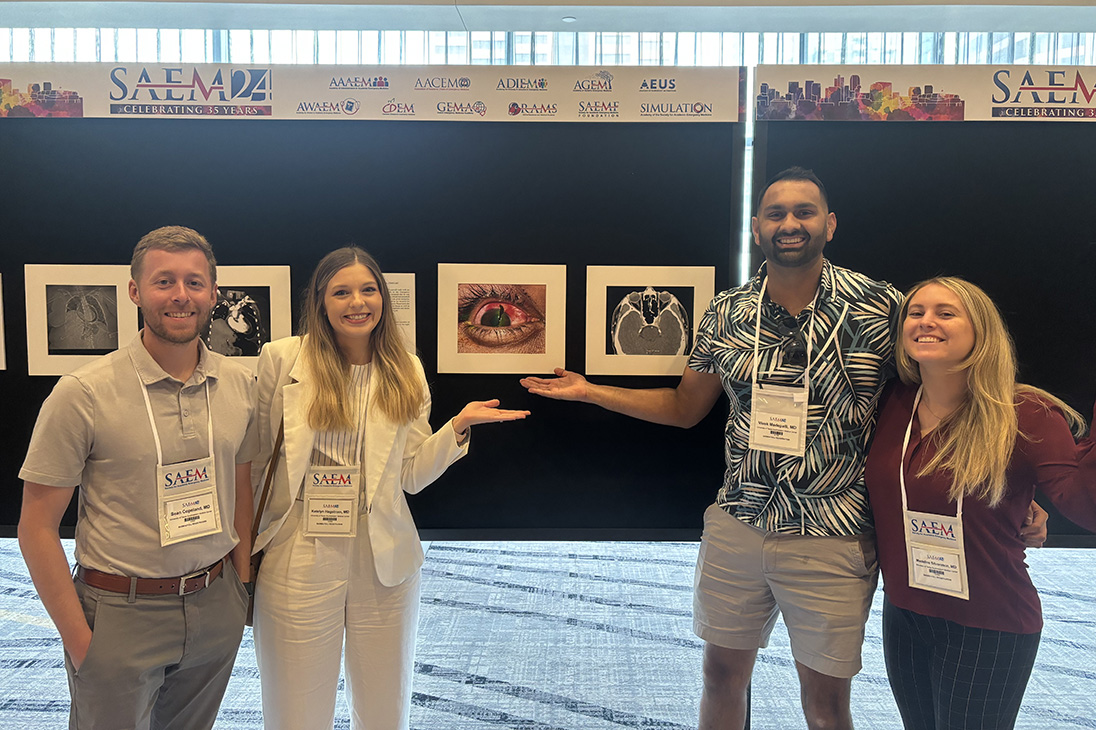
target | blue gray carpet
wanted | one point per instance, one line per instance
(575, 636)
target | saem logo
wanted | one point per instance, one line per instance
(932, 528)
(186, 478)
(1054, 93)
(331, 480)
(187, 85)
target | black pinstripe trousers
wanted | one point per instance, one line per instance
(946, 676)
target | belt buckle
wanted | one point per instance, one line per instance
(198, 574)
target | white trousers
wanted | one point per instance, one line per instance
(309, 593)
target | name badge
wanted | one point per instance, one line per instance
(778, 419)
(189, 506)
(331, 498)
(935, 555)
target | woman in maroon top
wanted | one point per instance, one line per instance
(959, 450)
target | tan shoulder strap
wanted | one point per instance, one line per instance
(270, 469)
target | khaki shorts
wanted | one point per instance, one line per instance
(824, 586)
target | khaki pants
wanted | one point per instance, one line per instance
(159, 663)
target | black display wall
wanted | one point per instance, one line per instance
(1004, 204)
(414, 194)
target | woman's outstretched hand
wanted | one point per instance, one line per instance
(484, 411)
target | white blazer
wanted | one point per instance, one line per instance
(398, 458)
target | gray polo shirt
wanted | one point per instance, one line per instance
(93, 431)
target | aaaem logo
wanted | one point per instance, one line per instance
(358, 82)
(186, 91)
(1057, 93)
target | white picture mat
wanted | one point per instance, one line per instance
(278, 280)
(38, 277)
(552, 276)
(401, 290)
(3, 346)
(599, 278)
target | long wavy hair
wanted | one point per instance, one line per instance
(975, 441)
(400, 395)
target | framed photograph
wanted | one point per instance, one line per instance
(501, 318)
(641, 320)
(253, 308)
(401, 288)
(76, 314)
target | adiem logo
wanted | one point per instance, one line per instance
(522, 84)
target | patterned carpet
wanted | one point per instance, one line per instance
(575, 636)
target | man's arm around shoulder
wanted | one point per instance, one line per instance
(40, 543)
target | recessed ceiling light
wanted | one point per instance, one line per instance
(569, 19)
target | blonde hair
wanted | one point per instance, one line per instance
(400, 395)
(975, 442)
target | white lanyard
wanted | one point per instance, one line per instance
(779, 413)
(186, 493)
(809, 335)
(935, 554)
(156, 433)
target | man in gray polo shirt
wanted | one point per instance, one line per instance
(158, 436)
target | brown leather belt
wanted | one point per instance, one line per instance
(182, 586)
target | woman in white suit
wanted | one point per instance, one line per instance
(342, 552)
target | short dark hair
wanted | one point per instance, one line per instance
(171, 238)
(793, 173)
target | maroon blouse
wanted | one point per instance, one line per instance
(1002, 597)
